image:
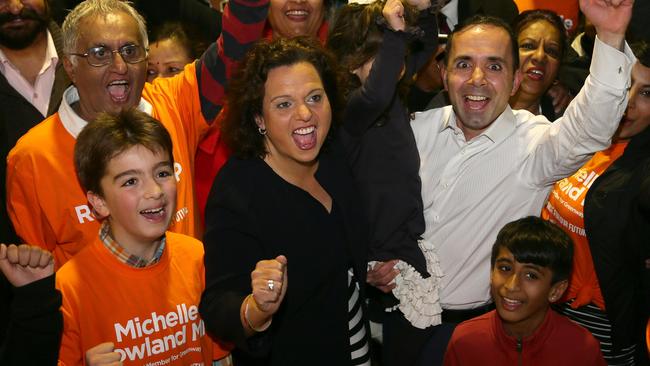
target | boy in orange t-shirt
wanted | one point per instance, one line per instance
(132, 294)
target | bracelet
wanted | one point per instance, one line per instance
(264, 326)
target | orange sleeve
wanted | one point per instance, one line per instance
(23, 201)
(182, 94)
(70, 352)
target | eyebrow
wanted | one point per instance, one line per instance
(489, 58)
(533, 266)
(497, 59)
(288, 96)
(165, 163)
(102, 44)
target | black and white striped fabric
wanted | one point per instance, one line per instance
(595, 321)
(360, 352)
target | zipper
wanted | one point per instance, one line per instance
(520, 357)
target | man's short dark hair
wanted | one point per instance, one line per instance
(537, 241)
(108, 136)
(486, 20)
(641, 50)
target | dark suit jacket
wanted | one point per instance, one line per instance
(617, 223)
(17, 116)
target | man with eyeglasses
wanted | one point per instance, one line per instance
(105, 44)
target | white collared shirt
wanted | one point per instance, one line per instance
(450, 11)
(72, 122)
(470, 190)
(39, 93)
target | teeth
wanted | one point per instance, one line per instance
(119, 82)
(297, 12)
(538, 72)
(510, 301)
(152, 211)
(305, 130)
(476, 98)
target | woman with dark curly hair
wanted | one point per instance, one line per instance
(285, 207)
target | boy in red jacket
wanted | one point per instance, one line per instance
(531, 262)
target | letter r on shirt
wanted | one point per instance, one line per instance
(84, 213)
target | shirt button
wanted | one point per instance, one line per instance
(437, 218)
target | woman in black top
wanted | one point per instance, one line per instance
(285, 248)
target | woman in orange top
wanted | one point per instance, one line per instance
(583, 301)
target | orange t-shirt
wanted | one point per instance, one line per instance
(150, 314)
(568, 10)
(47, 205)
(565, 207)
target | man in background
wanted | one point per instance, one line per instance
(32, 78)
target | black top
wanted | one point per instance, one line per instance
(382, 152)
(254, 214)
(617, 224)
(30, 333)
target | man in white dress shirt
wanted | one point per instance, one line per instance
(484, 165)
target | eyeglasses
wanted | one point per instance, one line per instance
(102, 55)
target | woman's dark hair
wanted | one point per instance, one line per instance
(110, 135)
(534, 240)
(185, 34)
(246, 89)
(354, 37)
(531, 16)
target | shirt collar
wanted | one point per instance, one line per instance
(124, 256)
(72, 122)
(451, 12)
(501, 128)
(51, 56)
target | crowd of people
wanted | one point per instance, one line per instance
(393, 182)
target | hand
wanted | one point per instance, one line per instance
(560, 96)
(268, 299)
(382, 275)
(610, 18)
(25, 264)
(103, 354)
(394, 13)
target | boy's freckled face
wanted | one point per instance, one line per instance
(139, 195)
(522, 293)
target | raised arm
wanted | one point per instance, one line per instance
(593, 116)
(242, 25)
(610, 18)
(366, 104)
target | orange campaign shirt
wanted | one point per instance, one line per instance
(150, 314)
(568, 10)
(45, 201)
(565, 207)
